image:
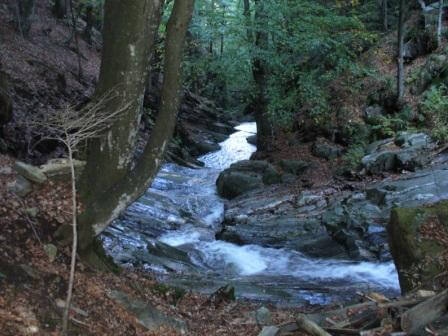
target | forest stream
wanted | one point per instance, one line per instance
(171, 231)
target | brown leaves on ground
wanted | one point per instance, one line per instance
(31, 285)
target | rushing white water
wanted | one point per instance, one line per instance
(234, 149)
(252, 260)
(182, 209)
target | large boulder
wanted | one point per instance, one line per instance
(419, 240)
(244, 176)
(407, 151)
(146, 314)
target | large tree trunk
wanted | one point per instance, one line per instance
(105, 205)
(259, 70)
(128, 37)
(400, 52)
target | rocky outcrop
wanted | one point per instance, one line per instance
(53, 170)
(146, 314)
(407, 151)
(419, 240)
(244, 176)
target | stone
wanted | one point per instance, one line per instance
(146, 314)
(163, 250)
(269, 331)
(295, 167)
(231, 184)
(30, 172)
(407, 151)
(22, 186)
(59, 169)
(415, 245)
(51, 251)
(244, 176)
(377, 163)
(252, 139)
(223, 294)
(263, 316)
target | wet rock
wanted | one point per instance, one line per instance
(417, 245)
(22, 186)
(244, 176)
(326, 150)
(252, 139)
(263, 316)
(407, 151)
(146, 314)
(295, 167)
(269, 331)
(201, 148)
(163, 250)
(30, 172)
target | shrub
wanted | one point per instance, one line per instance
(434, 108)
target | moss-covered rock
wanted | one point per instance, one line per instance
(418, 239)
(244, 176)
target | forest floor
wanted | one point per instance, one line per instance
(42, 71)
(33, 283)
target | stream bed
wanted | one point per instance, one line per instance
(171, 231)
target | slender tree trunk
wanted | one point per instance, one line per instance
(60, 8)
(71, 281)
(385, 13)
(246, 14)
(259, 70)
(400, 44)
(106, 205)
(440, 24)
(90, 21)
(25, 11)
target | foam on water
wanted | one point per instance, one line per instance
(234, 149)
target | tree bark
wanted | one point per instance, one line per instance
(25, 11)
(440, 24)
(259, 70)
(103, 207)
(60, 8)
(400, 47)
(128, 36)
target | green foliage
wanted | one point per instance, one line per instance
(435, 111)
(388, 126)
(351, 160)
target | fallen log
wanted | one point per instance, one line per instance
(310, 327)
(424, 313)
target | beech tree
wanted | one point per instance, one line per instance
(110, 183)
